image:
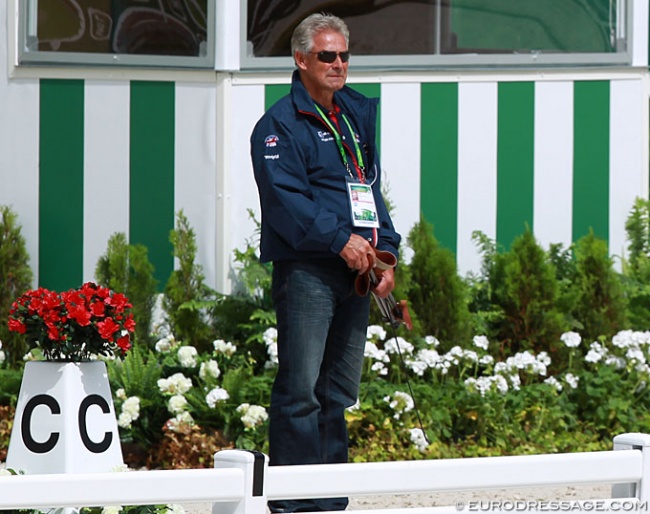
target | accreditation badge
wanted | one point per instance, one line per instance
(362, 205)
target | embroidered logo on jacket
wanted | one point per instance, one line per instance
(271, 141)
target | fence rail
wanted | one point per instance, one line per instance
(242, 482)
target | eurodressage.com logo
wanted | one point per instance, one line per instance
(622, 505)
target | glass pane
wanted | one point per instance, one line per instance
(140, 27)
(425, 27)
(532, 25)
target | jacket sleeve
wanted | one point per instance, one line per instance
(288, 203)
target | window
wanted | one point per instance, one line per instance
(175, 33)
(425, 32)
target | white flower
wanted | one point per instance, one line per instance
(486, 360)
(124, 420)
(5, 472)
(130, 412)
(165, 344)
(187, 356)
(375, 331)
(571, 339)
(119, 468)
(617, 362)
(481, 342)
(221, 346)
(270, 336)
(180, 422)
(400, 403)
(398, 345)
(483, 385)
(470, 355)
(111, 509)
(593, 356)
(177, 404)
(554, 382)
(418, 439)
(380, 368)
(252, 415)
(176, 384)
(2, 356)
(571, 380)
(120, 394)
(636, 355)
(209, 369)
(215, 396)
(432, 341)
(373, 352)
(132, 406)
(272, 352)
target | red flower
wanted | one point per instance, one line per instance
(75, 324)
(16, 325)
(119, 301)
(98, 309)
(124, 344)
(107, 328)
(129, 324)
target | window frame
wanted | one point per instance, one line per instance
(28, 57)
(486, 61)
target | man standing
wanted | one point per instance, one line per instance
(323, 216)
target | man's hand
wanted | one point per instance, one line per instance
(357, 253)
(386, 283)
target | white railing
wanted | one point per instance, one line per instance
(241, 482)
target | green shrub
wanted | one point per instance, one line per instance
(436, 292)
(636, 269)
(600, 305)
(15, 278)
(524, 288)
(126, 268)
(186, 295)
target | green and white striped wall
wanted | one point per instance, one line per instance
(82, 159)
(86, 159)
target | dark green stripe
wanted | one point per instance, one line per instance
(152, 172)
(515, 160)
(591, 159)
(439, 160)
(61, 153)
(273, 93)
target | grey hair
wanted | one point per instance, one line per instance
(302, 39)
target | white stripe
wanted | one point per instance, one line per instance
(19, 140)
(553, 163)
(106, 168)
(477, 169)
(195, 167)
(628, 173)
(400, 155)
(248, 106)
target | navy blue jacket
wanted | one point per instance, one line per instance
(301, 177)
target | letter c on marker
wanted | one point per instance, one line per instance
(101, 447)
(25, 425)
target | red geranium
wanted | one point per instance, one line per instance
(75, 324)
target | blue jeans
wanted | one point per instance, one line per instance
(322, 328)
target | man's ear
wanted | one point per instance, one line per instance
(300, 60)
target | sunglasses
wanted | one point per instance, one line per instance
(328, 56)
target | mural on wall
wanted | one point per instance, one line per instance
(149, 27)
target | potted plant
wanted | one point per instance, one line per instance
(65, 419)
